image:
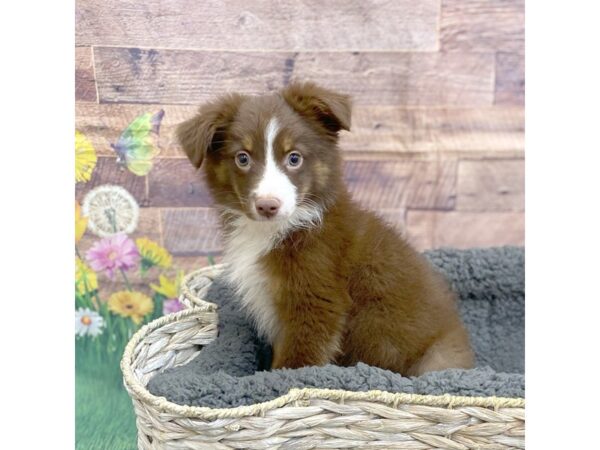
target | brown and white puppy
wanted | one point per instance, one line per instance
(323, 280)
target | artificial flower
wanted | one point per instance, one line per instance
(112, 253)
(172, 306)
(86, 280)
(168, 288)
(131, 304)
(152, 254)
(80, 223)
(88, 322)
(85, 157)
(110, 210)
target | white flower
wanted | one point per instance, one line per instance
(110, 210)
(88, 322)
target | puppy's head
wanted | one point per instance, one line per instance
(271, 157)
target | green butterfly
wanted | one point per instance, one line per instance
(136, 146)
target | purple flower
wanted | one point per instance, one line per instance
(112, 253)
(172, 306)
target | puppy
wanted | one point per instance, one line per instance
(324, 280)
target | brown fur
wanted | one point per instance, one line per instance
(351, 289)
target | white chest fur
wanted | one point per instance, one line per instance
(243, 249)
(244, 246)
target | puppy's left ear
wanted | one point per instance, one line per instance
(332, 111)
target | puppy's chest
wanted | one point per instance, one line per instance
(244, 251)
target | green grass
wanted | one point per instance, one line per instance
(104, 417)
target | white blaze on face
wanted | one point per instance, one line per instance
(274, 183)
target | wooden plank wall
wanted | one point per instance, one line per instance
(437, 145)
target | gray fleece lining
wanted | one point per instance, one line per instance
(490, 283)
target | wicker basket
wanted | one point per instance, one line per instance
(304, 418)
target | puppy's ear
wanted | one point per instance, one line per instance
(205, 131)
(329, 109)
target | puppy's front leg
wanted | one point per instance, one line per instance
(312, 326)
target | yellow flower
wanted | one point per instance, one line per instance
(152, 254)
(131, 304)
(168, 288)
(85, 278)
(85, 157)
(80, 223)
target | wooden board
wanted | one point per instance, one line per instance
(85, 83)
(107, 172)
(388, 184)
(192, 263)
(191, 231)
(374, 128)
(175, 182)
(510, 79)
(260, 24)
(393, 216)
(491, 186)
(392, 128)
(482, 25)
(459, 229)
(102, 124)
(379, 78)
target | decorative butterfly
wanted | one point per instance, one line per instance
(136, 146)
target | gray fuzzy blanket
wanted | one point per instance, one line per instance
(233, 370)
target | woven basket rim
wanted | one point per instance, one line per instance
(187, 292)
(294, 395)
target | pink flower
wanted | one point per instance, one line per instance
(112, 253)
(172, 306)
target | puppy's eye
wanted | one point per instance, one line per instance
(294, 160)
(242, 159)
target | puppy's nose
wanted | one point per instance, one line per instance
(267, 206)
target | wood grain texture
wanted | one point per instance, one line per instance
(107, 172)
(406, 183)
(191, 231)
(392, 128)
(374, 128)
(260, 24)
(419, 229)
(102, 124)
(85, 83)
(482, 25)
(395, 217)
(378, 78)
(407, 79)
(175, 182)
(458, 229)
(510, 79)
(185, 77)
(192, 263)
(491, 186)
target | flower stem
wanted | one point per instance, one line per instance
(126, 280)
(87, 292)
(211, 260)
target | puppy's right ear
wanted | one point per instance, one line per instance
(205, 131)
